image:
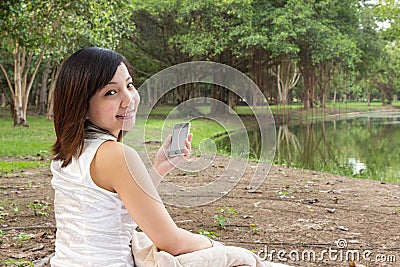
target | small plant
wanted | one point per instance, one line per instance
(1, 236)
(2, 214)
(22, 237)
(208, 234)
(224, 216)
(16, 262)
(254, 228)
(38, 208)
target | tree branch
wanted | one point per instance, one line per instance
(8, 80)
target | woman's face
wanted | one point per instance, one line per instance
(114, 107)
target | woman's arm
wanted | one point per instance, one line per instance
(120, 169)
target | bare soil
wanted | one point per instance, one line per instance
(293, 214)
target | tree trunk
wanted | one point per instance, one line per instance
(50, 103)
(18, 114)
(231, 99)
(334, 97)
(218, 108)
(309, 86)
(220, 93)
(22, 88)
(287, 77)
(3, 101)
(43, 90)
(266, 88)
(325, 77)
(308, 71)
(10, 100)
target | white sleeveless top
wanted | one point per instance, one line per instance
(93, 225)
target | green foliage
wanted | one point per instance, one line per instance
(16, 263)
(208, 234)
(1, 236)
(21, 237)
(38, 208)
(225, 215)
(33, 30)
(36, 24)
(387, 12)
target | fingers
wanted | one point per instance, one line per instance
(167, 141)
(188, 148)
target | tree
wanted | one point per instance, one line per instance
(287, 76)
(388, 14)
(30, 30)
(170, 32)
(315, 32)
(386, 75)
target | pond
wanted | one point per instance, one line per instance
(365, 146)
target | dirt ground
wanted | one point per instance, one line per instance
(298, 217)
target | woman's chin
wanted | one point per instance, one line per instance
(128, 124)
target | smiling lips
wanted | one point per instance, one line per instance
(126, 116)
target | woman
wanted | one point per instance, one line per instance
(102, 188)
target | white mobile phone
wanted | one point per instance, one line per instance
(179, 135)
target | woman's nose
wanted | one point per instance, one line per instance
(126, 99)
(129, 98)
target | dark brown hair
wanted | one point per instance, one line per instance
(83, 74)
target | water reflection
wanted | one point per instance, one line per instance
(360, 147)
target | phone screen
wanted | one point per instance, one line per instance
(179, 134)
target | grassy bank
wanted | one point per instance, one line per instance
(22, 147)
(26, 147)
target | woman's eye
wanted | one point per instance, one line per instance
(130, 86)
(111, 92)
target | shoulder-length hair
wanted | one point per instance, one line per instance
(83, 74)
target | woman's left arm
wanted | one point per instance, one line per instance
(163, 164)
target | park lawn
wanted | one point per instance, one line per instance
(29, 147)
(33, 143)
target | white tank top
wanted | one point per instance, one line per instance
(93, 225)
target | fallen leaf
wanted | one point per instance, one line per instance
(38, 235)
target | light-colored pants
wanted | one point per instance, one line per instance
(147, 255)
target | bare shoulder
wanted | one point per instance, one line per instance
(110, 163)
(111, 150)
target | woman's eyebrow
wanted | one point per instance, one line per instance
(127, 79)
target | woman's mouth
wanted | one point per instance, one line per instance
(126, 116)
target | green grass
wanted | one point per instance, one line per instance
(20, 144)
(35, 140)
(19, 166)
(200, 128)
(39, 137)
